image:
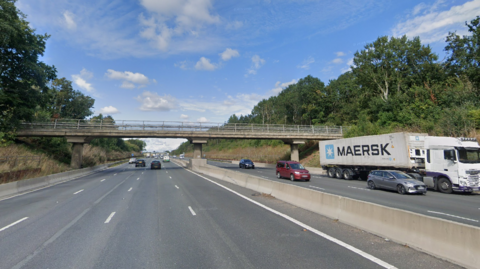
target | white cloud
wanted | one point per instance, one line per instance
(151, 101)
(340, 54)
(348, 67)
(306, 63)
(433, 25)
(337, 61)
(280, 86)
(128, 78)
(162, 144)
(257, 62)
(175, 18)
(81, 80)
(234, 25)
(183, 116)
(229, 54)
(109, 110)
(205, 64)
(182, 65)
(69, 21)
(202, 119)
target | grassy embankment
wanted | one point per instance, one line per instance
(27, 160)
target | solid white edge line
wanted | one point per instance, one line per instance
(305, 226)
(110, 217)
(78, 191)
(191, 210)
(10, 225)
(177, 187)
(130, 189)
(453, 216)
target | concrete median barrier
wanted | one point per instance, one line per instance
(17, 187)
(456, 242)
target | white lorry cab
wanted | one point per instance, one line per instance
(445, 164)
(452, 164)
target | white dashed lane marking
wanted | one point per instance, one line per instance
(110, 217)
(177, 187)
(102, 180)
(453, 216)
(191, 211)
(10, 225)
(78, 192)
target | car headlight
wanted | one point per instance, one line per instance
(409, 184)
(462, 183)
(297, 173)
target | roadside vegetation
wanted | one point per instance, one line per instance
(394, 84)
(31, 91)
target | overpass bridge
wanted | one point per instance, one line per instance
(79, 132)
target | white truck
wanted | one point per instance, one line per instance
(446, 164)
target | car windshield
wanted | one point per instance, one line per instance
(247, 161)
(296, 166)
(469, 155)
(400, 175)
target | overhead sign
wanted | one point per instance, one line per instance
(132, 155)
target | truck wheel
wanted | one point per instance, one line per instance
(444, 185)
(347, 174)
(339, 173)
(331, 172)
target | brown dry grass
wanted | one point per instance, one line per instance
(265, 154)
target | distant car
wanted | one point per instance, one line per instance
(182, 156)
(132, 160)
(246, 163)
(174, 156)
(140, 163)
(292, 170)
(395, 180)
(155, 165)
(166, 159)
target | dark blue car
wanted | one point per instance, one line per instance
(246, 163)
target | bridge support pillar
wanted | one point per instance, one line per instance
(294, 155)
(197, 147)
(77, 150)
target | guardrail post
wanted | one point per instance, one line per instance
(341, 130)
(267, 128)
(144, 125)
(313, 129)
(101, 124)
(284, 128)
(252, 128)
(326, 127)
(298, 128)
(55, 124)
(218, 127)
(78, 124)
(235, 127)
(163, 125)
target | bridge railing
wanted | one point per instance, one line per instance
(133, 125)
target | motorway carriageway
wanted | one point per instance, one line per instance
(458, 207)
(127, 217)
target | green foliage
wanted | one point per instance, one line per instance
(68, 103)
(23, 78)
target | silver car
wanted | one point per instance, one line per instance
(395, 180)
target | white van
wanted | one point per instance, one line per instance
(166, 158)
(132, 160)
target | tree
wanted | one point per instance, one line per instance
(69, 103)
(392, 66)
(464, 58)
(23, 78)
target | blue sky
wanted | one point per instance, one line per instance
(204, 60)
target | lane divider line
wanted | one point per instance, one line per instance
(170, 177)
(453, 216)
(305, 226)
(78, 191)
(102, 180)
(130, 189)
(10, 225)
(315, 187)
(177, 187)
(110, 217)
(191, 210)
(138, 178)
(114, 174)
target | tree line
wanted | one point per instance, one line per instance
(394, 83)
(30, 89)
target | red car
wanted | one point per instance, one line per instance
(292, 170)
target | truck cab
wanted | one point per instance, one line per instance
(452, 164)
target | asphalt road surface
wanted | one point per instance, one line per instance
(127, 217)
(458, 207)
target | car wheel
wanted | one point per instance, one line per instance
(444, 185)
(338, 173)
(401, 189)
(253, 167)
(278, 175)
(292, 177)
(331, 172)
(239, 166)
(371, 185)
